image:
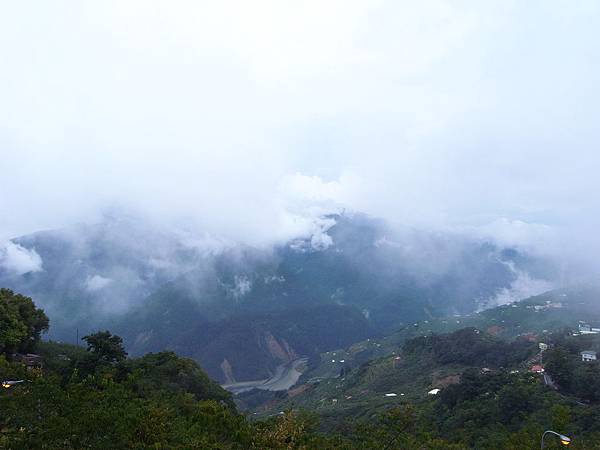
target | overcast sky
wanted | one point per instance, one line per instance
(240, 115)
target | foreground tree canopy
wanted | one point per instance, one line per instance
(21, 323)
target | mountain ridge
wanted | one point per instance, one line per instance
(161, 292)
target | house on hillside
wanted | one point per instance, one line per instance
(585, 328)
(588, 355)
(30, 360)
(537, 368)
(529, 337)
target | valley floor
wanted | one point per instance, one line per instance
(286, 375)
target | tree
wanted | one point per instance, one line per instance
(21, 323)
(166, 370)
(561, 417)
(586, 381)
(515, 401)
(105, 347)
(559, 365)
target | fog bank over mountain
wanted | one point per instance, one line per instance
(250, 122)
(242, 311)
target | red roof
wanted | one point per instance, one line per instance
(537, 368)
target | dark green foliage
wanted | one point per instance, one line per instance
(21, 323)
(105, 347)
(586, 381)
(572, 375)
(99, 399)
(104, 351)
(102, 414)
(163, 401)
(60, 359)
(487, 409)
(560, 364)
(159, 401)
(492, 406)
(169, 372)
(469, 346)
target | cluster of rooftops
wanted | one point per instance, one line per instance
(586, 328)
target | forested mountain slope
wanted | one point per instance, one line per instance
(242, 311)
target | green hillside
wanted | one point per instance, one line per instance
(373, 395)
(532, 318)
(481, 365)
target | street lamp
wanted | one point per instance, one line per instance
(10, 383)
(564, 440)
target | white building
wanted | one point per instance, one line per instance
(588, 355)
(585, 328)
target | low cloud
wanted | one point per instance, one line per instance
(519, 234)
(18, 260)
(246, 122)
(242, 286)
(524, 286)
(96, 283)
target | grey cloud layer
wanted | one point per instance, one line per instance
(248, 121)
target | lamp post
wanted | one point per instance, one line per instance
(564, 440)
(10, 383)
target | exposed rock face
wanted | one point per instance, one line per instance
(227, 371)
(299, 390)
(444, 382)
(280, 350)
